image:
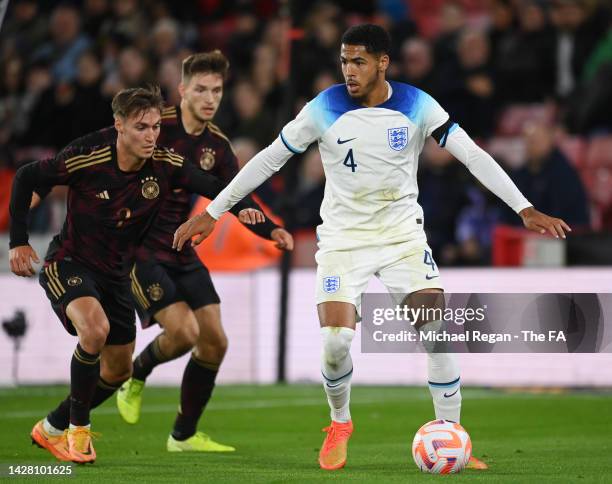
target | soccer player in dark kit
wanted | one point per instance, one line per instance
(115, 193)
(175, 289)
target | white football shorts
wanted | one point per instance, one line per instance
(403, 268)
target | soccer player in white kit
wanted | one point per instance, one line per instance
(370, 133)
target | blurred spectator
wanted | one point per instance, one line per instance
(51, 117)
(264, 74)
(467, 91)
(523, 57)
(23, 31)
(18, 105)
(95, 14)
(127, 23)
(252, 118)
(164, 39)
(579, 27)
(169, 77)
(394, 15)
(549, 181)
(11, 99)
(417, 65)
(66, 111)
(475, 224)
(132, 71)
(503, 26)
(589, 109)
(246, 31)
(452, 23)
(92, 110)
(442, 185)
(67, 43)
(319, 50)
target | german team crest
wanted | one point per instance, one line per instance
(331, 284)
(155, 292)
(150, 188)
(398, 138)
(207, 160)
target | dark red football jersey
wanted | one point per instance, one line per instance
(109, 211)
(209, 152)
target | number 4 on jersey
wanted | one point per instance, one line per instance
(428, 260)
(349, 161)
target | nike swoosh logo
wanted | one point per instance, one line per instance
(448, 396)
(428, 277)
(333, 386)
(341, 142)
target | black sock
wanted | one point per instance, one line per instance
(84, 374)
(196, 389)
(104, 391)
(60, 417)
(148, 359)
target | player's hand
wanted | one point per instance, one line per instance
(201, 225)
(251, 216)
(542, 223)
(283, 239)
(21, 258)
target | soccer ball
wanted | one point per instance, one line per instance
(441, 447)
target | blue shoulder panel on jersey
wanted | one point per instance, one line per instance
(330, 104)
(408, 100)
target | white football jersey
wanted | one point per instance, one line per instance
(370, 157)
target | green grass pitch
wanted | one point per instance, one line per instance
(524, 436)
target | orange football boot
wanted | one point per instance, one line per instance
(333, 452)
(477, 464)
(56, 444)
(80, 445)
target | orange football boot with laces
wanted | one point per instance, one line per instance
(80, 445)
(333, 452)
(56, 444)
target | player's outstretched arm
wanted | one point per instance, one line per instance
(261, 167)
(492, 176)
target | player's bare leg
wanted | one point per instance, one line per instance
(442, 368)
(198, 384)
(337, 320)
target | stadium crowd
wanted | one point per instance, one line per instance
(530, 80)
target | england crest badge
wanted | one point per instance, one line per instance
(398, 138)
(331, 284)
